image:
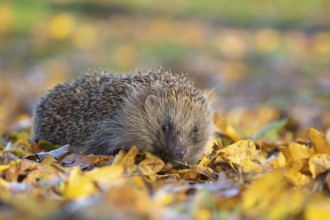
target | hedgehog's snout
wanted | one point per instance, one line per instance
(180, 152)
(176, 153)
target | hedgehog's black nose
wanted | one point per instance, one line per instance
(180, 152)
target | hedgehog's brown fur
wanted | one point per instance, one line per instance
(157, 111)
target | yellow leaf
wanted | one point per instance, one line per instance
(271, 198)
(250, 166)
(296, 161)
(274, 162)
(318, 209)
(260, 188)
(105, 174)
(139, 182)
(297, 178)
(281, 159)
(204, 161)
(209, 146)
(151, 165)
(232, 133)
(271, 164)
(327, 135)
(319, 163)
(242, 152)
(4, 167)
(127, 198)
(127, 161)
(319, 142)
(61, 26)
(78, 185)
(296, 152)
(11, 163)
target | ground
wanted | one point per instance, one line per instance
(266, 69)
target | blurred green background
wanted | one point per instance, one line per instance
(249, 53)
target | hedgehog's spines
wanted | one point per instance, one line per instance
(100, 113)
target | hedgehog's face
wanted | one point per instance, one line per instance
(183, 127)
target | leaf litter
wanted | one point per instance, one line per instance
(273, 174)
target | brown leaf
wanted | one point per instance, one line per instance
(205, 171)
(57, 154)
(6, 158)
(19, 171)
(151, 165)
(188, 174)
(85, 161)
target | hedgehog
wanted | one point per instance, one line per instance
(101, 113)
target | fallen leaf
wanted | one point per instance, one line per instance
(241, 150)
(127, 198)
(85, 161)
(319, 163)
(126, 160)
(188, 174)
(7, 161)
(296, 152)
(297, 178)
(18, 171)
(232, 133)
(106, 176)
(151, 165)
(319, 142)
(271, 198)
(250, 166)
(318, 208)
(242, 153)
(47, 146)
(57, 153)
(78, 185)
(205, 171)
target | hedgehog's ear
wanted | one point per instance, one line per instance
(151, 103)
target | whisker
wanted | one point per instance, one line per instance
(178, 161)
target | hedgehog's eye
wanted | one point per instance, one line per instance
(195, 129)
(165, 127)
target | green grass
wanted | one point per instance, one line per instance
(280, 13)
(28, 13)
